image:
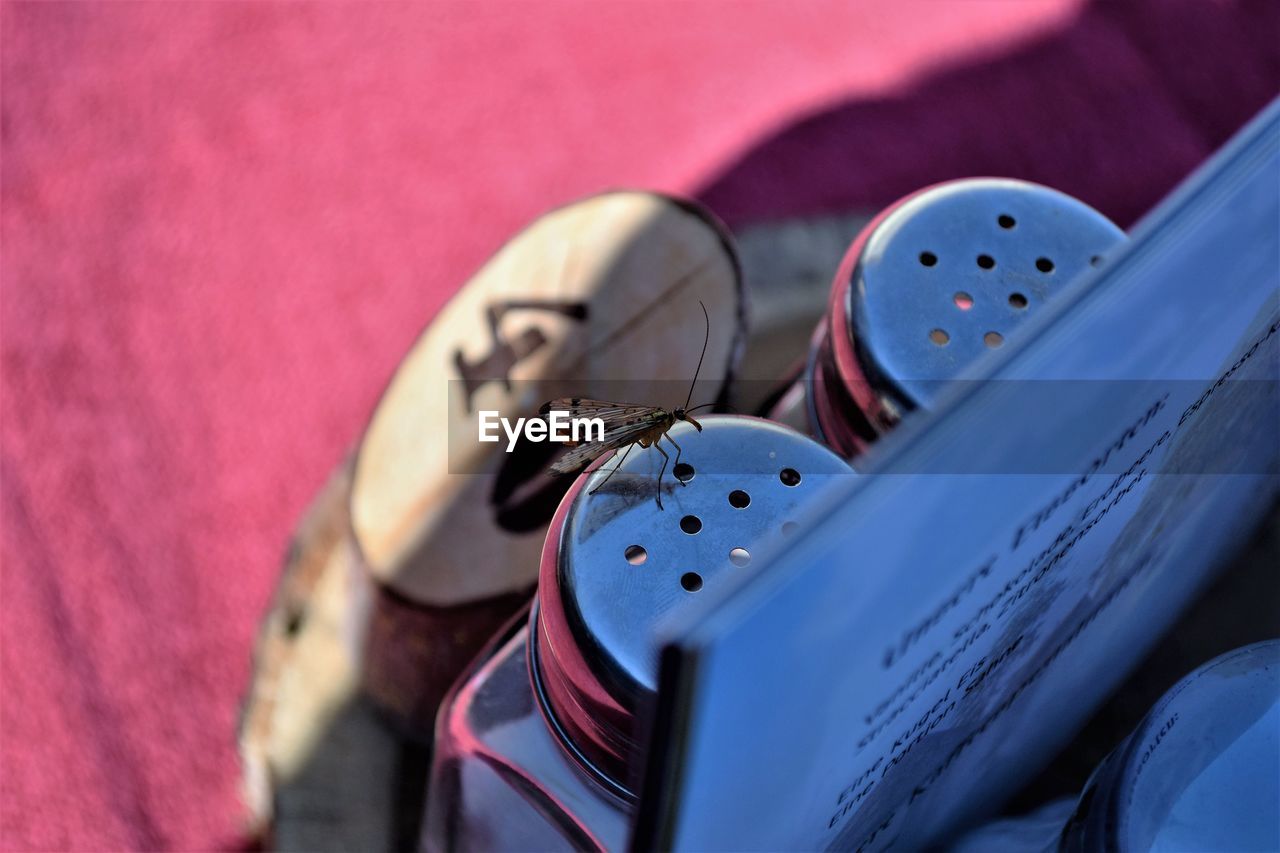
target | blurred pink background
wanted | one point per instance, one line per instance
(223, 225)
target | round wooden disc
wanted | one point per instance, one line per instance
(594, 299)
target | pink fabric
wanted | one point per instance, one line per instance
(224, 224)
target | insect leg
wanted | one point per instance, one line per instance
(661, 471)
(613, 471)
(668, 437)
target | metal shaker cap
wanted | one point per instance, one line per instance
(947, 274)
(615, 563)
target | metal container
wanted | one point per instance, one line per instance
(931, 285)
(539, 744)
(1201, 772)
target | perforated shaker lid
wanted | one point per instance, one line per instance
(616, 563)
(946, 276)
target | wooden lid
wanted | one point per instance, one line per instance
(596, 299)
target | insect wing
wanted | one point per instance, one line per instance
(580, 456)
(623, 425)
(583, 407)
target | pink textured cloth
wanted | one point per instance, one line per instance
(223, 224)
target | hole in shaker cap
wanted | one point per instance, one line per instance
(635, 554)
(683, 472)
(928, 259)
(691, 581)
(691, 524)
(789, 477)
(986, 261)
(1095, 261)
(739, 556)
(962, 300)
(939, 337)
(1006, 221)
(739, 499)
(1044, 265)
(1017, 300)
(993, 339)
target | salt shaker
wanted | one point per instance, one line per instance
(930, 285)
(540, 745)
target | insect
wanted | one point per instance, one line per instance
(626, 426)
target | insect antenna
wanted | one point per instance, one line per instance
(703, 406)
(705, 339)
